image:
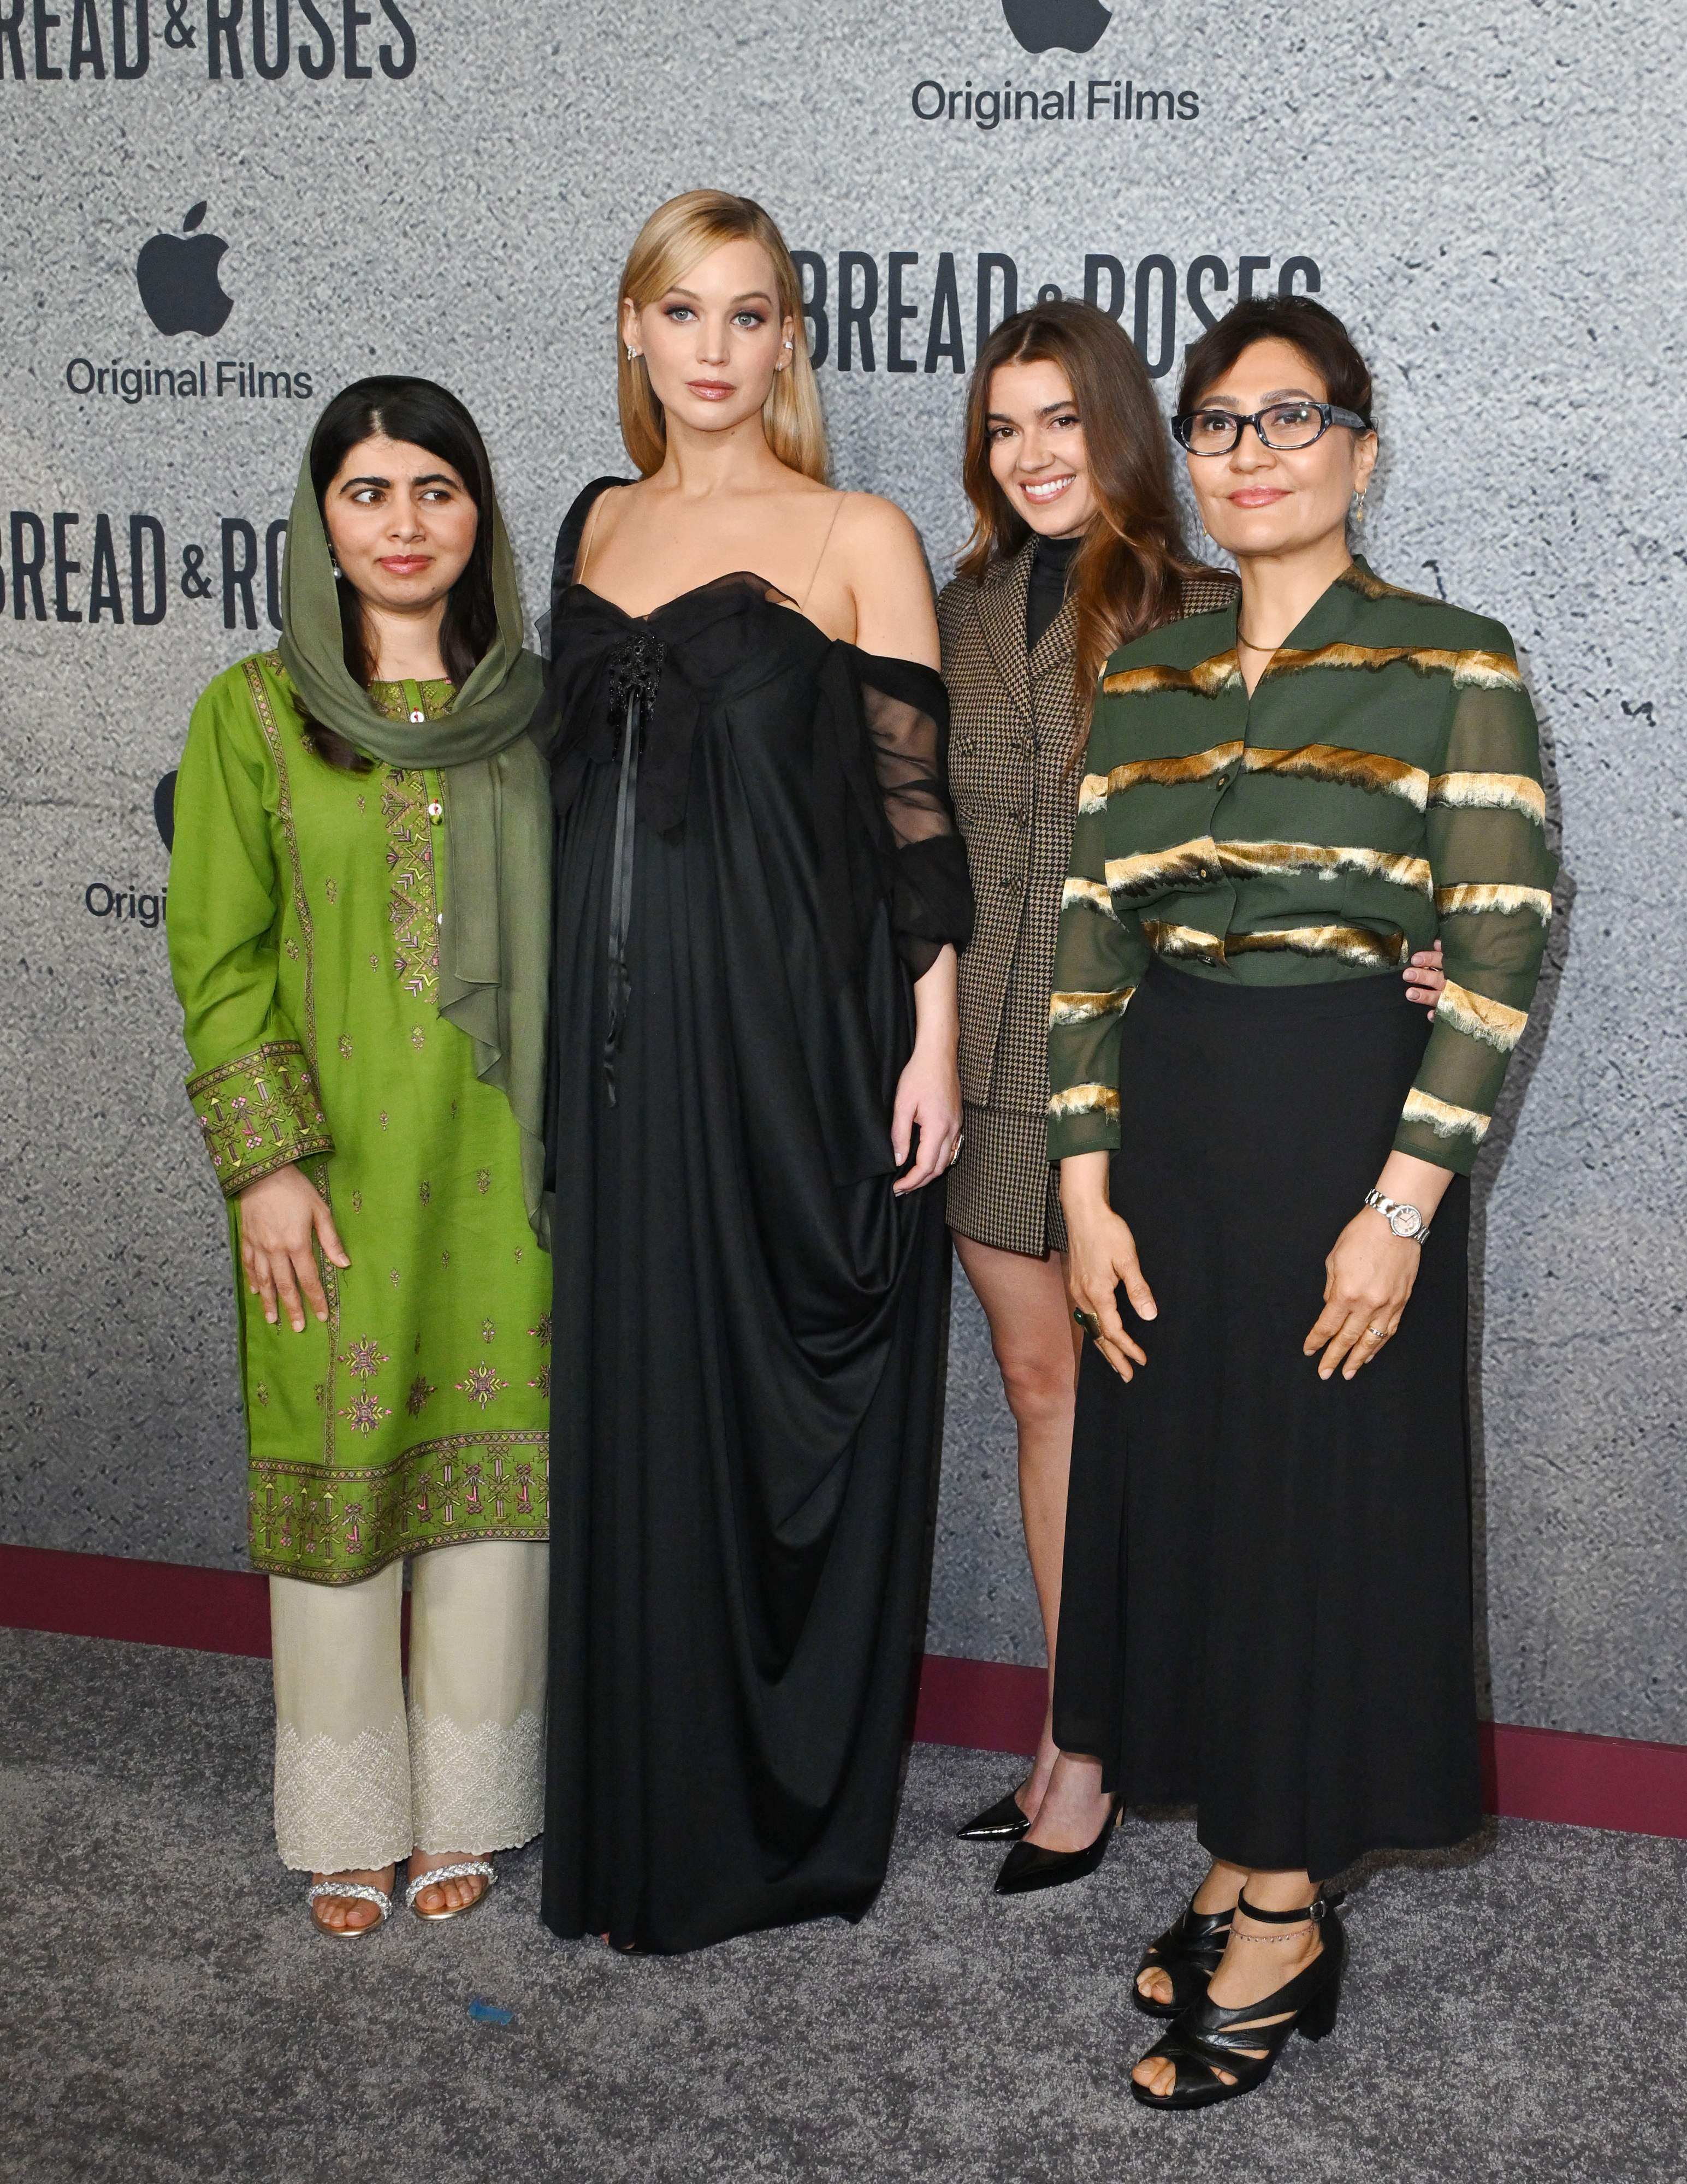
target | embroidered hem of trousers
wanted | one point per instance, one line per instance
(361, 1777)
(1266, 1601)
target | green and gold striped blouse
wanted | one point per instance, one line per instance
(1381, 785)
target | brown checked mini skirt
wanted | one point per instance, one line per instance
(1002, 1189)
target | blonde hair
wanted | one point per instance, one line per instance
(671, 241)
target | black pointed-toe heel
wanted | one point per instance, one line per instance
(1029, 1866)
(1005, 1821)
(1208, 2039)
(1188, 1953)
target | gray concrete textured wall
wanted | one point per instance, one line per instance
(1488, 191)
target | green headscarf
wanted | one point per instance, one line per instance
(494, 936)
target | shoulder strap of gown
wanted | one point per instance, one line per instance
(808, 589)
(573, 530)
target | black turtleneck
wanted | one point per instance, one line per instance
(1050, 565)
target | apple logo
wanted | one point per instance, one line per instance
(1076, 25)
(177, 277)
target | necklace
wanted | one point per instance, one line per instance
(1250, 644)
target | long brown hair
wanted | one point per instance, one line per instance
(1128, 575)
(668, 245)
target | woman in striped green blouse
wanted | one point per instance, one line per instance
(1266, 1600)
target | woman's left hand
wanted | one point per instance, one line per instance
(1367, 1279)
(929, 1094)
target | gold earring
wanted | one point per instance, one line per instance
(1359, 507)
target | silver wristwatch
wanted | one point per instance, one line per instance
(1404, 1220)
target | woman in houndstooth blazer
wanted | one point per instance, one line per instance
(1077, 547)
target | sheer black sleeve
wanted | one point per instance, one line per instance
(906, 710)
(884, 825)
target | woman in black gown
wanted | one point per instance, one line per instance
(759, 894)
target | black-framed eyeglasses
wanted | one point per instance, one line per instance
(1284, 425)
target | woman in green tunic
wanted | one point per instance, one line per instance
(361, 850)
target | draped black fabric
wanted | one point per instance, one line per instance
(748, 1327)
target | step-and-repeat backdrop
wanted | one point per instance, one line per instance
(218, 211)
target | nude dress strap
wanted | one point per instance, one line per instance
(837, 510)
(591, 526)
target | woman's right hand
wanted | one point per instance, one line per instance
(1101, 1253)
(280, 1218)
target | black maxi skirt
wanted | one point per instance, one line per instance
(1266, 1603)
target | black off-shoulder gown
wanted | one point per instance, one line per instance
(755, 855)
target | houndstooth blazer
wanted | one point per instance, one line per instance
(1013, 727)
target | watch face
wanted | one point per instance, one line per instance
(1405, 1221)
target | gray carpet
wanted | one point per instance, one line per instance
(1514, 2013)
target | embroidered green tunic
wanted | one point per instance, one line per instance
(304, 913)
(1382, 784)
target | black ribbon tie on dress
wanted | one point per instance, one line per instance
(634, 676)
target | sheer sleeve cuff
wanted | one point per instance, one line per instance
(1440, 1131)
(259, 1112)
(1084, 1118)
(932, 907)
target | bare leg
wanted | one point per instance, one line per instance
(1074, 1807)
(1036, 1342)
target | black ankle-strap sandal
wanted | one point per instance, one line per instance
(1208, 2039)
(1188, 1952)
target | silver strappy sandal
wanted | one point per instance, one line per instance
(468, 1869)
(360, 1892)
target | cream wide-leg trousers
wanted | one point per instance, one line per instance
(360, 1778)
